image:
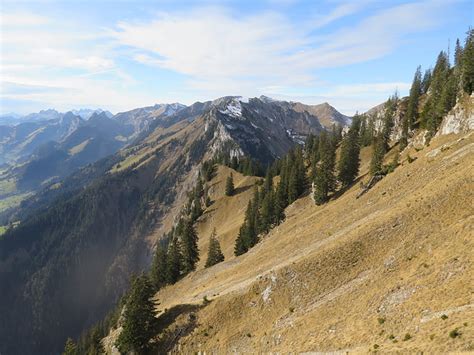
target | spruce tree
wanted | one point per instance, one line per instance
(229, 185)
(240, 243)
(139, 318)
(280, 202)
(467, 71)
(458, 52)
(196, 209)
(70, 348)
(378, 154)
(414, 98)
(404, 135)
(268, 217)
(158, 272)
(214, 255)
(174, 262)
(268, 182)
(435, 107)
(426, 81)
(388, 120)
(350, 149)
(324, 181)
(189, 247)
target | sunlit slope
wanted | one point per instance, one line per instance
(356, 274)
(226, 214)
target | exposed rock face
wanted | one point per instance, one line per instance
(461, 117)
(378, 113)
(141, 118)
(266, 129)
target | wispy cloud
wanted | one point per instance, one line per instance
(213, 46)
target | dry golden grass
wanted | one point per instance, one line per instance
(354, 275)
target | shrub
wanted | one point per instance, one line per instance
(454, 333)
(407, 337)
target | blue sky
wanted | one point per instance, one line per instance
(119, 55)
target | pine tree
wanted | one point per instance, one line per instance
(467, 71)
(426, 81)
(378, 154)
(139, 318)
(268, 182)
(281, 199)
(199, 189)
(404, 135)
(189, 247)
(240, 243)
(158, 272)
(229, 185)
(388, 120)
(70, 348)
(435, 107)
(350, 148)
(414, 98)
(324, 182)
(196, 210)
(214, 255)
(248, 233)
(267, 217)
(458, 54)
(174, 262)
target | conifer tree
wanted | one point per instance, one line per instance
(314, 156)
(139, 318)
(378, 154)
(350, 148)
(281, 199)
(174, 262)
(248, 233)
(426, 81)
(196, 210)
(388, 120)
(214, 255)
(189, 247)
(268, 217)
(199, 189)
(158, 272)
(467, 71)
(435, 107)
(324, 182)
(70, 348)
(458, 54)
(229, 185)
(414, 98)
(404, 135)
(268, 182)
(240, 243)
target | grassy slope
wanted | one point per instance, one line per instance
(321, 281)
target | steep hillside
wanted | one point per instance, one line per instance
(391, 270)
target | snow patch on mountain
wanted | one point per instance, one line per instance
(233, 109)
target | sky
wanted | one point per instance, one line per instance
(122, 54)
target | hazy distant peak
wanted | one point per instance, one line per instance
(86, 113)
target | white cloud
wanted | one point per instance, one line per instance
(22, 19)
(214, 48)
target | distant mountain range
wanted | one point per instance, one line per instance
(11, 119)
(46, 146)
